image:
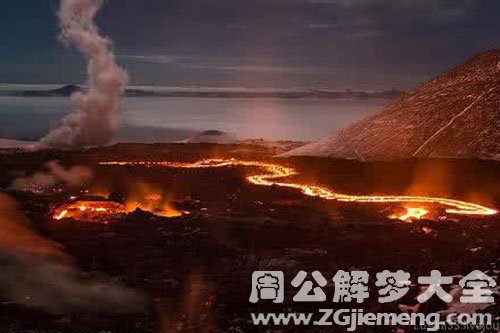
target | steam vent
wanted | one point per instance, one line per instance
(455, 115)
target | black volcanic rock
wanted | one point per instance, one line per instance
(456, 114)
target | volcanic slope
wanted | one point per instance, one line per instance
(455, 115)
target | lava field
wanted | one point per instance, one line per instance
(188, 239)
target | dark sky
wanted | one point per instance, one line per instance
(370, 44)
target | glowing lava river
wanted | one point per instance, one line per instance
(275, 175)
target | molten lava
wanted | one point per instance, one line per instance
(274, 175)
(411, 214)
(153, 203)
(106, 211)
(90, 211)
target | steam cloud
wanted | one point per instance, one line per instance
(93, 120)
(37, 273)
(54, 174)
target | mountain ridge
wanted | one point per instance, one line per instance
(455, 114)
(68, 90)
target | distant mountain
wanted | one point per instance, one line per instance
(213, 136)
(6, 144)
(456, 114)
(64, 91)
(225, 93)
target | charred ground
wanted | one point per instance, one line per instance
(195, 270)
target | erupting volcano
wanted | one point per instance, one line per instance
(274, 175)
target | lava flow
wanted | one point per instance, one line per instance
(105, 211)
(273, 175)
(411, 214)
(92, 211)
(153, 203)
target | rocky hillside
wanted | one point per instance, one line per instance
(456, 114)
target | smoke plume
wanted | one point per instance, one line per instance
(92, 122)
(53, 175)
(37, 273)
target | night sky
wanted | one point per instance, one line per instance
(360, 44)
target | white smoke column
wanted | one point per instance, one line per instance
(93, 120)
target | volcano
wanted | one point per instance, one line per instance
(454, 115)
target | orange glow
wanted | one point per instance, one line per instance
(105, 211)
(154, 197)
(150, 199)
(274, 175)
(165, 209)
(62, 214)
(427, 230)
(411, 214)
(92, 211)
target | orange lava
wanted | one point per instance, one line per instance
(153, 203)
(411, 214)
(151, 199)
(275, 175)
(91, 211)
(105, 211)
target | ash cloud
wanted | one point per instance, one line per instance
(92, 121)
(37, 273)
(54, 174)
